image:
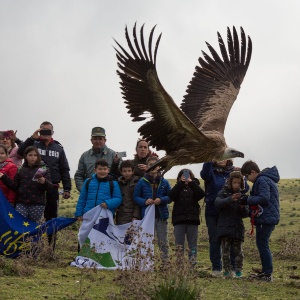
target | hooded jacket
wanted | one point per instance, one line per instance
(214, 179)
(265, 193)
(55, 158)
(144, 190)
(29, 191)
(128, 208)
(10, 169)
(230, 223)
(186, 209)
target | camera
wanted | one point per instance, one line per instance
(121, 154)
(186, 174)
(243, 200)
(45, 132)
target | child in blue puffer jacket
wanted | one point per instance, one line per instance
(264, 193)
(154, 189)
(99, 190)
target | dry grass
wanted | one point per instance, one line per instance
(48, 275)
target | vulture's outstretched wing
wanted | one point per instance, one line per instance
(216, 84)
(168, 128)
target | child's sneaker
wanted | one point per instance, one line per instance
(216, 274)
(238, 274)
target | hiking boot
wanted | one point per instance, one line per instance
(266, 277)
(238, 274)
(262, 277)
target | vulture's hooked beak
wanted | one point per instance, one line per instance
(240, 154)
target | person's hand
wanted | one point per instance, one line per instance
(66, 195)
(41, 180)
(157, 201)
(36, 135)
(243, 200)
(79, 218)
(1, 174)
(116, 159)
(103, 205)
(235, 196)
(142, 167)
(13, 136)
(149, 201)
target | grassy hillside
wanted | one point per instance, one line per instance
(50, 276)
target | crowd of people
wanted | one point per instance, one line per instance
(127, 189)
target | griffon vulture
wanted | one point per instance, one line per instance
(194, 133)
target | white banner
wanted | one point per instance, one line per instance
(105, 245)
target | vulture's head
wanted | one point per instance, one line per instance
(231, 153)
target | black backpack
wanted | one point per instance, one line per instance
(111, 186)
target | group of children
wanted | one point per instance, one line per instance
(129, 197)
(133, 194)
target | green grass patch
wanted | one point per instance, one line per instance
(50, 276)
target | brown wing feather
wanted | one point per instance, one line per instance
(216, 83)
(167, 127)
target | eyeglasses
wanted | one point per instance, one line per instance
(5, 138)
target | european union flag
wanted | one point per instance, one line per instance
(17, 231)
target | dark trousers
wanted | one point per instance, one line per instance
(263, 233)
(215, 244)
(51, 208)
(51, 211)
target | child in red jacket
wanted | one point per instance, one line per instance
(10, 169)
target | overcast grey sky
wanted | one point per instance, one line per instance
(57, 63)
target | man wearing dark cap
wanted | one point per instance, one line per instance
(87, 160)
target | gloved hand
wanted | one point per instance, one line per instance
(243, 200)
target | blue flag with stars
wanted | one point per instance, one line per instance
(16, 231)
